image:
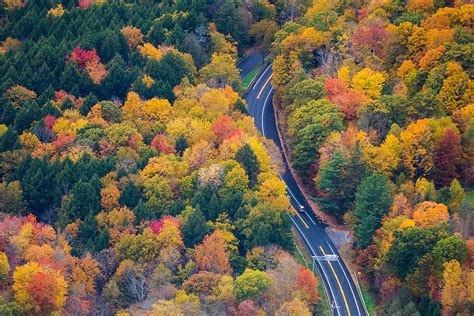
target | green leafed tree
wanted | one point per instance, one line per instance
(408, 247)
(130, 195)
(373, 201)
(194, 226)
(456, 196)
(221, 72)
(248, 160)
(251, 284)
(308, 127)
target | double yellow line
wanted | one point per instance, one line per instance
(264, 85)
(306, 225)
(338, 283)
(302, 220)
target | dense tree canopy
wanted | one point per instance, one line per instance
(132, 179)
(375, 100)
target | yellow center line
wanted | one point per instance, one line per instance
(339, 283)
(301, 218)
(264, 85)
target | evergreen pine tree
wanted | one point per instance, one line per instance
(118, 80)
(194, 227)
(330, 180)
(247, 158)
(373, 201)
(214, 208)
(90, 101)
(141, 212)
(8, 140)
(130, 195)
(181, 144)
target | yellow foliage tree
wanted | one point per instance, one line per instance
(29, 141)
(454, 294)
(13, 4)
(39, 253)
(236, 179)
(429, 214)
(3, 129)
(118, 221)
(265, 163)
(84, 272)
(457, 88)
(4, 268)
(148, 81)
(170, 236)
(439, 37)
(420, 5)
(307, 39)
(215, 102)
(414, 155)
(344, 74)
(150, 51)
(293, 308)
(9, 44)
(33, 283)
(167, 165)
(405, 68)
(431, 58)
(69, 123)
(273, 191)
(221, 72)
(17, 94)
(219, 43)
(109, 197)
(23, 239)
(384, 158)
(58, 11)
(182, 304)
(368, 81)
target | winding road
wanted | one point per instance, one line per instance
(342, 293)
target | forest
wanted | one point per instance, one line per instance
(132, 179)
(375, 101)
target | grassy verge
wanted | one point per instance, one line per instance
(248, 79)
(369, 300)
(304, 258)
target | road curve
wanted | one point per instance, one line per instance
(340, 288)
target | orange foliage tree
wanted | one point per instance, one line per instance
(212, 256)
(429, 214)
(307, 285)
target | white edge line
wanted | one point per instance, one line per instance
(263, 110)
(322, 268)
(297, 202)
(296, 225)
(348, 282)
(261, 76)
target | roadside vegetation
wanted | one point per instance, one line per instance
(376, 101)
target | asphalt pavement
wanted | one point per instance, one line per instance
(343, 295)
